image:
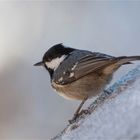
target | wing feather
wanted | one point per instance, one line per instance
(90, 62)
(86, 65)
(84, 68)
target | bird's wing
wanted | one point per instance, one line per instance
(86, 65)
(91, 64)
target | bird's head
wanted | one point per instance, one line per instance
(54, 57)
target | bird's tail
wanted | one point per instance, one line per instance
(117, 62)
(127, 59)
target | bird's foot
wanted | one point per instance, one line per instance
(84, 111)
(73, 120)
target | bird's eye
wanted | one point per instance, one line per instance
(49, 60)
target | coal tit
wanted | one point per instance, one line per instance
(80, 74)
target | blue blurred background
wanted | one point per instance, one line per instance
(29, 108)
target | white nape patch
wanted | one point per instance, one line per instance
(71, 74)
(54, 63)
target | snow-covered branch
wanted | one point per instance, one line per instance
(115, 114)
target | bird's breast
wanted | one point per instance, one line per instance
(87, 86)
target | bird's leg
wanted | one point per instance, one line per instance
(76, 114)
(79, 108)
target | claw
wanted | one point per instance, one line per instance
(73, 119)
(84, 111)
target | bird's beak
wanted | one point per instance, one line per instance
(39, 64)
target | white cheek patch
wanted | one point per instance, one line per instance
(55, 62)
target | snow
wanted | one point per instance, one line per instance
(117, 119)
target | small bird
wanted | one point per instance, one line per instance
(80, 74)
